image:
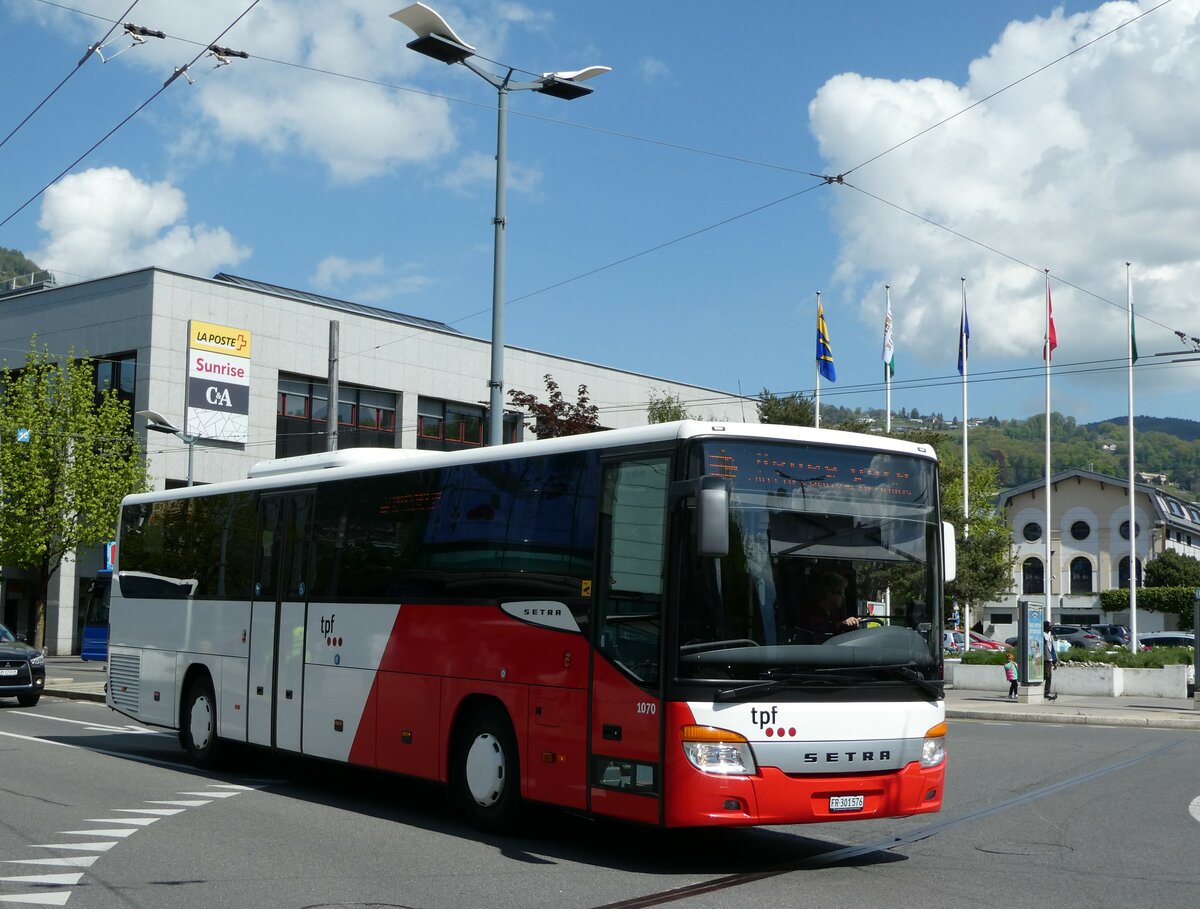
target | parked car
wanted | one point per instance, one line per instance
(982, 642)
(1113, 634)
(1167, 639)
(1077, 636)
(22, 669)
(953, 641)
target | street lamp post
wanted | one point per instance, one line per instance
(436, 39)
(156, 422)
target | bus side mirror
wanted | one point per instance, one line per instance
(712, 517)
(949, 552)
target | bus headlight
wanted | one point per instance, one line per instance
(713, 750)
(933, 749)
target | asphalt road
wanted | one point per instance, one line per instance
(101, 812)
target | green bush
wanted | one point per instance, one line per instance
(1150, 659)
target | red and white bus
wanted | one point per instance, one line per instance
(605, 622)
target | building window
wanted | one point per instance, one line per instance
(1081, 530)
(451, 426)
(1032, 576)
(1123, 573)
(1081, 575)
(366, 417)
(117, 372)
(1137, 530)
(1032, 531)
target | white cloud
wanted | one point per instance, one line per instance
(654, 70)
(344, 278)
(105, 220)
(292, 94)
(478, 168)
(1079, 168)
(334, 270)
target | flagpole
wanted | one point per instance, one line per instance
(817, 397)
(966, 483)
(1132, 352)
(887, 368)
(1048, 351)
(962, 341)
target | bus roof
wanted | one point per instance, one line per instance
(358, 462)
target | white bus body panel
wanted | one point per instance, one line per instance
(343, 649)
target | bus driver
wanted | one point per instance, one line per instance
(824, 614)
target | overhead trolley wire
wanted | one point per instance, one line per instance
(178, 72)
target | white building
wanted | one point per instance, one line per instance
(159, 337)
(1089, 546)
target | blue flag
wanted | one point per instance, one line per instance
(964, 336)
(824, 350)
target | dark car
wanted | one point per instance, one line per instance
(1168, 639)
(1077, 636)
(1113, 634)
(22, 670)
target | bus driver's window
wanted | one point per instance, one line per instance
(634, 513)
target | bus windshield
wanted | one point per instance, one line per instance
(832, 575)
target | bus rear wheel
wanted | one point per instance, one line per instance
(487, 779)
(198, 723)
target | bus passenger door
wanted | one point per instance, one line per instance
(277, 620)
(625, 751)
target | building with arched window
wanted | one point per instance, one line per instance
(1089, 532)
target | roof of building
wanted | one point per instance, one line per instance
(1170, 508)
(304, 296)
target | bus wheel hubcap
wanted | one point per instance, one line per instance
(201, 727)
(485, 769)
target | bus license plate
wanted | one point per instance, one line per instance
(846, 803)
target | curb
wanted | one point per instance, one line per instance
(1077, 719)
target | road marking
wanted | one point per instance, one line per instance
(83, 847)
(110, 832)
(92, 724)
(139, 821)
(216, 795)
(185, 803)
(38, 899)
(66, 861)
(1194, 808)
(159, 812)
(56, 880)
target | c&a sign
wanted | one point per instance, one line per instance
(218, 383)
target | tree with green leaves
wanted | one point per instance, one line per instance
(67, 457)
(665, 408)
(983, 539)
(13, 264)
(1173, 569)
(790, 410)
(557, 416)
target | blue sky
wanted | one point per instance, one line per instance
(670, 223)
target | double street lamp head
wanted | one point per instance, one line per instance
(436, 39)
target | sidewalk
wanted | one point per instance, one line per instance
(71, 677)
(1155, 713)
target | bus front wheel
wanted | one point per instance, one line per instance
(198, 723)
(487, 779)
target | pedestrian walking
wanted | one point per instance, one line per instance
(1051, 658)
(1010, 673)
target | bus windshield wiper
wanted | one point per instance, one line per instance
(905, 671)
(778, 679)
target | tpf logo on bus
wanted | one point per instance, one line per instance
(331, 640)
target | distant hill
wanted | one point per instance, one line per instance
(1188, 430)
